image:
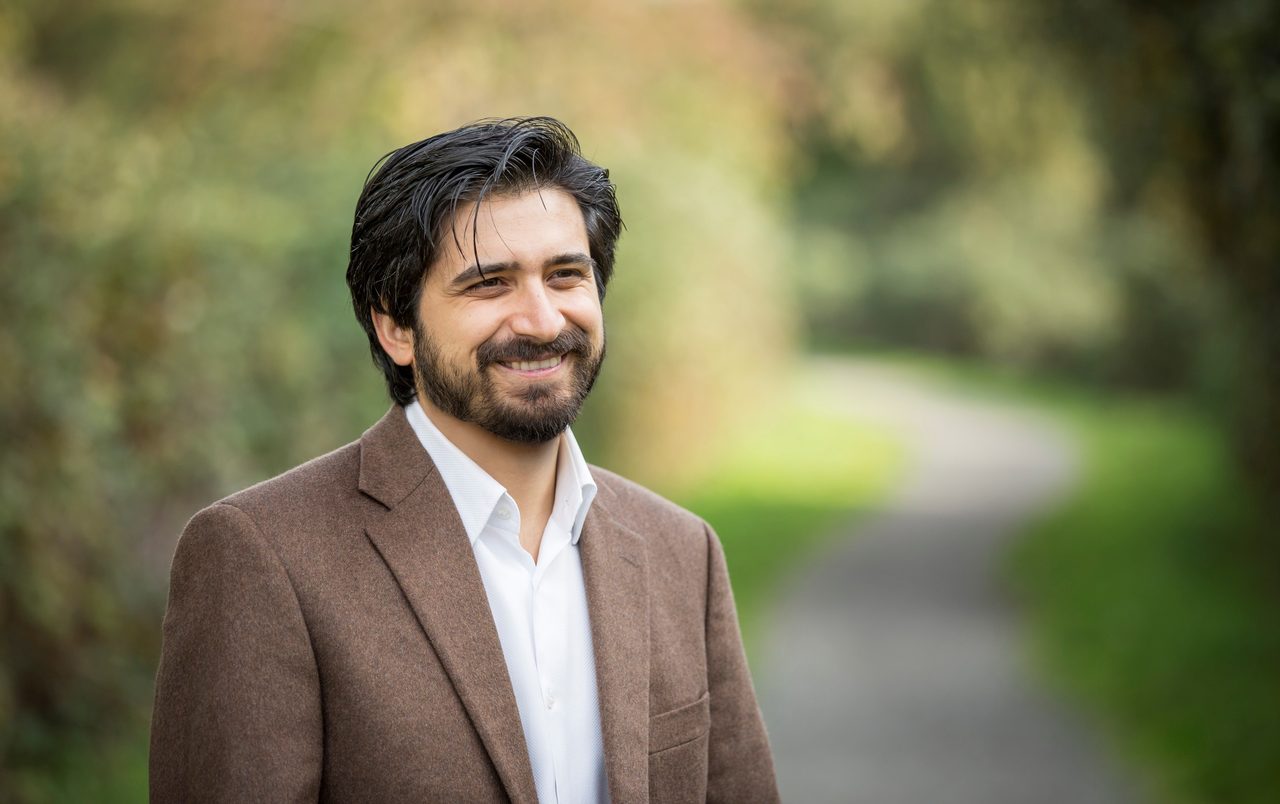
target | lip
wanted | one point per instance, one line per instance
(534, 374)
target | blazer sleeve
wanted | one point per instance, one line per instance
(740, 764)
(237, 709)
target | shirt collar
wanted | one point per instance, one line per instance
(575, 488)
(476, 494)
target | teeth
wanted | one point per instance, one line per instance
(533, 365)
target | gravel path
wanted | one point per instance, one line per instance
(896, 668)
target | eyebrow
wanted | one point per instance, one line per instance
(476, 271)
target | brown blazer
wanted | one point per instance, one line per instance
(328, 638)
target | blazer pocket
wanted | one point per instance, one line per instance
(680, 726)
(678, 742)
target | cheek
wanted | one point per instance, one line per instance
(472, 328)
(586, 313)
(457, 335)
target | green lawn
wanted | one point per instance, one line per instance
(783, 488)
(1145, 596)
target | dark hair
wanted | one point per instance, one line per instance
(406, 210)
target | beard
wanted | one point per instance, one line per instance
(534, 414)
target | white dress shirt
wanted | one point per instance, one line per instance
(540, 611)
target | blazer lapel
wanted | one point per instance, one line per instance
(422, 540)
(615, 569)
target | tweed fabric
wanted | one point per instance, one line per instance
(328, 638)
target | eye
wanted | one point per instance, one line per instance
(488, 284)
(566, 276)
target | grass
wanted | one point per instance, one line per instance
(1146, 596)
(785, 484)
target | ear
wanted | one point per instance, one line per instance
(396, 341)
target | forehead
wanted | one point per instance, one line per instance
(521, 228)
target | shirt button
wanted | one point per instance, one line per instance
(504, 513)
(551, 701)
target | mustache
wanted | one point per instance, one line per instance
(572, 340)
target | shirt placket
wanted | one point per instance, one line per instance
(549, 638)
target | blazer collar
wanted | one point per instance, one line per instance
(421, 538)
(392, 461)
(615, 568)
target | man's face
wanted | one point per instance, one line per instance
(514, 342)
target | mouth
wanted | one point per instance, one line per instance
(533, 368)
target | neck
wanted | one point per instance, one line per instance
(526, 471)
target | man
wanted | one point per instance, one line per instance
(456, 607)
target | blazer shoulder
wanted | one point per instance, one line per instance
(304, 492)
(674, 537)
(635, 504)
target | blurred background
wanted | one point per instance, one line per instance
(1071, 208)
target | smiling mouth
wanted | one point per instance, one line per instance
(534, 365)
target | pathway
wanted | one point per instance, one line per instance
(896, 669)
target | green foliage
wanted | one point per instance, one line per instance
(105, 769)
(1184, 105)
(977, 183)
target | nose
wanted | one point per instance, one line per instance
(537, 316)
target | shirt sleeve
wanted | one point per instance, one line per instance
(237, 709)
(740, 764)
